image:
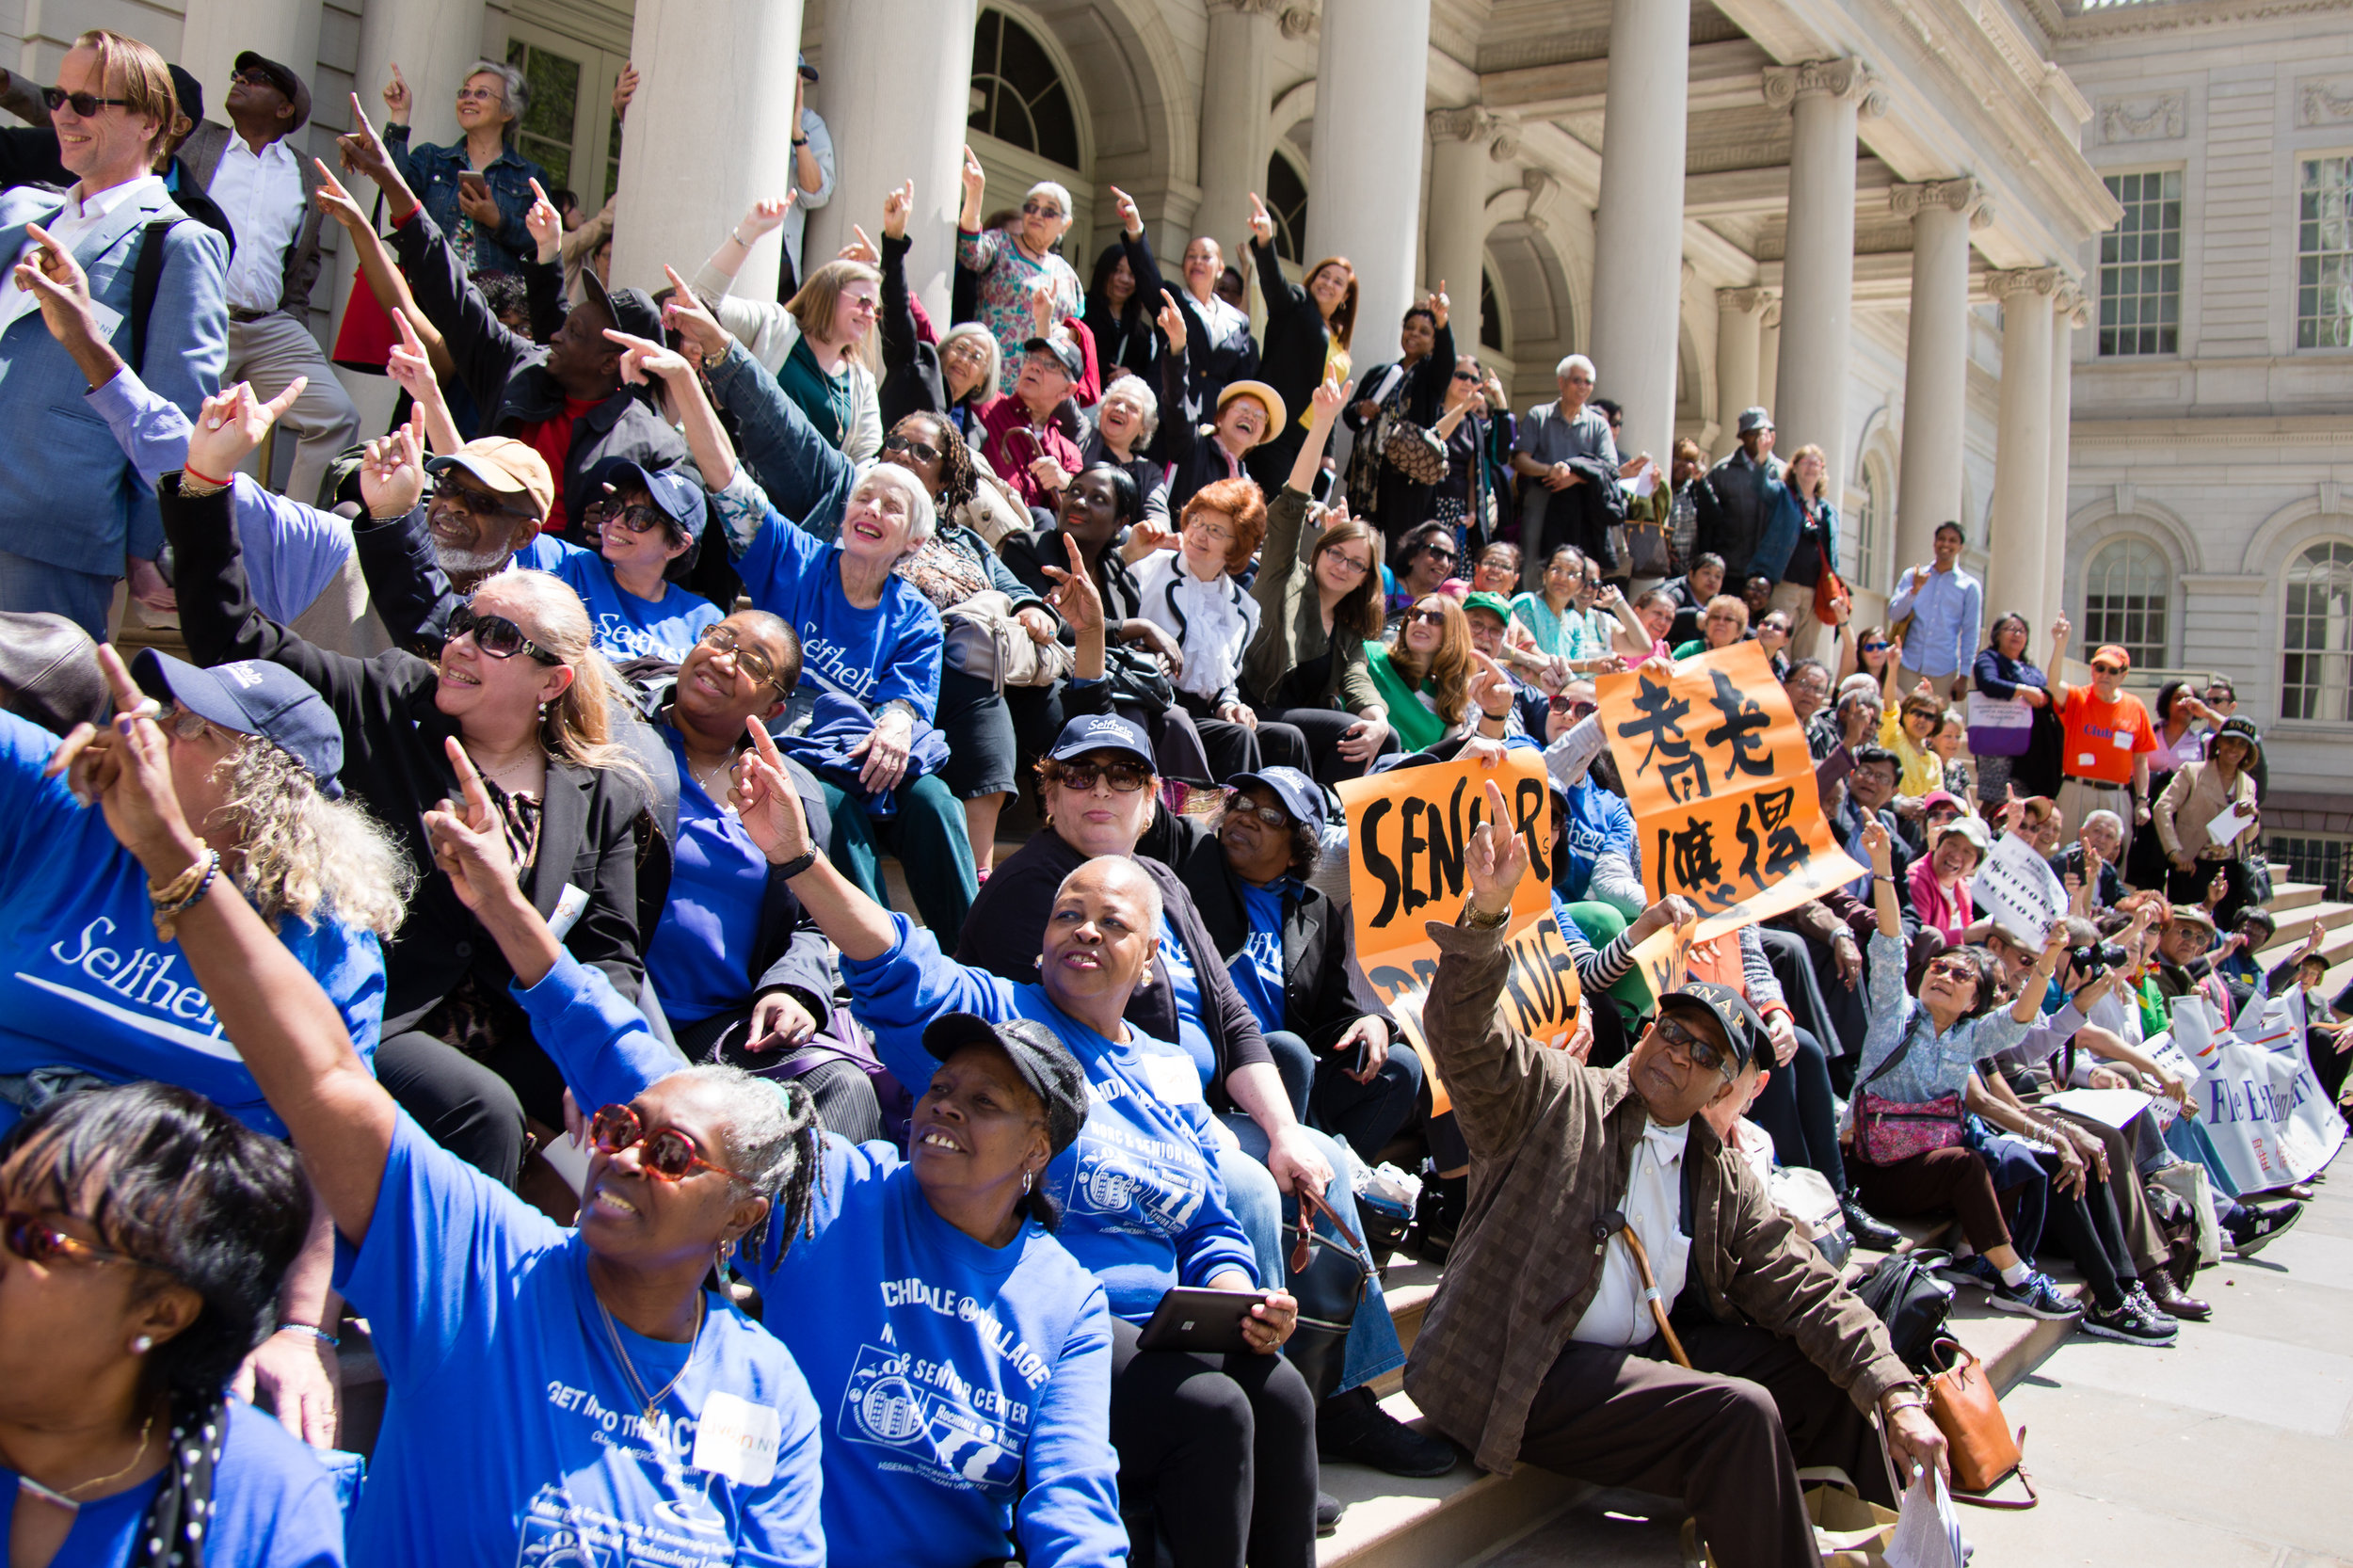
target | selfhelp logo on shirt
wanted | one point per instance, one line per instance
(158, 993)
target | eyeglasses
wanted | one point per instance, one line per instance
(186, 723)
(1239, 804)
(638, 518)
(1466, 375)
(2107, 670)
(1349, 564)
(721, 638)
(669, 1153)
(1704, 1054)
(496, 635)
(1210, 528)
(1124, 777)
(1953, 969)
(482, 503)
(255, 78)
(86, 104)
(922, 452)
(1430, 617)
(1039, 209)
(34, 1242)
(1576, 707)
(480, 95)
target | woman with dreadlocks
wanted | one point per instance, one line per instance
(548, 1386)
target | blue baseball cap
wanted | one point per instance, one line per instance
(252, 697)
(1102, 732)
(1301, 795)
(676, 493)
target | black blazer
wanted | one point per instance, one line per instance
(1297, 340)
(1321, 1001)
(596, 832)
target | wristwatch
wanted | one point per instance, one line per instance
(1478, 922)
(799, 863)
(800, 141)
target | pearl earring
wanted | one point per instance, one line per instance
(141, 1344)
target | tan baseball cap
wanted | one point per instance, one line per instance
(507, 467)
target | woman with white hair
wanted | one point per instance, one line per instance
(871, 642)
(1017, 262)
(1126, 423)
(482, 217)
(820, 345)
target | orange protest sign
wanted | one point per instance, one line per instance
(1408, 830)
(1722, 787)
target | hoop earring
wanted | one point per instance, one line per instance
(1029, 1179)
(141, 1344)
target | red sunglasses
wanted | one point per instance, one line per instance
(35, 1241)
(669, 1153)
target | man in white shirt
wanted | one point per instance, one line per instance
(258, 177)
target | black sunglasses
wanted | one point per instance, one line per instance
(1703, 1054)
(85, 103)
(496, 635)
(1442, 552)
(1576, 707)
(637, 519)
(1126, 777)
(1037, 209)
(1433, 618)
(922, 452)
(1466, 375)
(482, 503)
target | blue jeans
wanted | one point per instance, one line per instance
(1260, 1208)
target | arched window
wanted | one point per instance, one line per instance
(1862, 543)
(2126, 595)
(2317, 642)
(1022, 98)
(1287, 202)
(1490, 313)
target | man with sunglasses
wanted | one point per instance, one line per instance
(73, 514)
(1543, 1344)
(2107, 738)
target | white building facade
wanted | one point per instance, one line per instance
(1921, 232)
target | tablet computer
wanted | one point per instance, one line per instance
(1194, 1317)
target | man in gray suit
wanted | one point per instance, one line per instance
(256, 176)
(74, 517)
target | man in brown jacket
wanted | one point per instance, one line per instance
(1540, 1345)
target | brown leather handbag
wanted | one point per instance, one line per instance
(1976, 1436)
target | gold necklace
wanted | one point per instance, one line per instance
(64, 1497)
(629, 1368)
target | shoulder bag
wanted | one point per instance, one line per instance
(1327, 1272)
(984, 641)
(1977, 1435)
(1906, 1295)
(1887, 1132)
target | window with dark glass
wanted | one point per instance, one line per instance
(1020, 95)
(1287, 203)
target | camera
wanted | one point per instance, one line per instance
(2094, 959)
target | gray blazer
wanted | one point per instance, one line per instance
(201, 153)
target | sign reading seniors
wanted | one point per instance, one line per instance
(1721, 786)
(1408, 833)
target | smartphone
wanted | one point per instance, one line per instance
(474, 183)
(1194, 1317)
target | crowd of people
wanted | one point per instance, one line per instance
(525, 991)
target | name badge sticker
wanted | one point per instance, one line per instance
(570, 905)
(738, 1439)
(2122, 740)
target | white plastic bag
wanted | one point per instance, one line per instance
(1928, 1531)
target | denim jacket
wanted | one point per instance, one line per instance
(432, 174)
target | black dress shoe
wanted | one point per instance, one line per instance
(1328, 1511)
(1867, 1229)
(1353, 1428)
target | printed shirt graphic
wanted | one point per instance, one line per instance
(1144, 1208)
(2103, 737)
(513, 1437)
(889, 653)
(627, 626)
(950, 1370)
(84, 982)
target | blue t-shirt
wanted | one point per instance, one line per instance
(513, 1435)
(889, 653)
(1598, 821)
(967, 1387)
(626, 626)
(1257, 969)
(1184, 984)
(1143, 1207)
(84, 982)
(700, 957)
(273, 1507)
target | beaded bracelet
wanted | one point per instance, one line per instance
(314, 1331)
(174, 900)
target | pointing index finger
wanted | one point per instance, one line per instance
(763, 743)
(127, 694)
(469, 777)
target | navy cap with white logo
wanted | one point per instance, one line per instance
(1102, 732)
(252, 697)
(1301, 795)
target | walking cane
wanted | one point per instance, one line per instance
(1614, 1224)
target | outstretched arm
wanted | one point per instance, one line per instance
(764, 799)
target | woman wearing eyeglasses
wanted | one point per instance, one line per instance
(2003, 671)
(548, 1385)
(1015, 263)
(521, 690)
(146, 1238)
(1318, 593)
(478, 187)
(820, 345)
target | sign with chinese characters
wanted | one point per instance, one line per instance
(1409, 831)
(1721, 786)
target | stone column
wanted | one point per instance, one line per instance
(1936, 361)
(1371, 81)
(215, 32)
(433, 42)
(1825, 98)
(1740, 341)
(1767, 356)
(691, 172)
(1455, 249)
(915, 131)
(1638, 270)
(2067, 314)
(1236, 92)
(2022, 448)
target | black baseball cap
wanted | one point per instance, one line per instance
(189, 91)
(252, 697)
(1301, 795)
(1737, 1023)
(1043, 1061)
(633, 310)
(1065, 354)
(283, 78)
(1102, 732)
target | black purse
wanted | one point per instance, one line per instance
(1327, 1273)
